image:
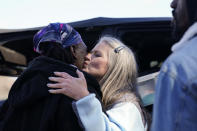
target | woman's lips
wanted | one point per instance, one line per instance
(85, 64)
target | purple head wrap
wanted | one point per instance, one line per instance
(60, 33)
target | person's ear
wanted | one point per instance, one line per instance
(73, 51)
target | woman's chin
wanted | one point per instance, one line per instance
(85, 69)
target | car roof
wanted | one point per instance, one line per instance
(99, 21)
(103, 21)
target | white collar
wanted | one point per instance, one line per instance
(187, 36)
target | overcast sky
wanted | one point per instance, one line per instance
(34, 13)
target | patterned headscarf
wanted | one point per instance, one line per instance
(60, 33)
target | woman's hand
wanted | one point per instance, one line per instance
(75, 88)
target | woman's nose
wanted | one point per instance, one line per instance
(88, 57)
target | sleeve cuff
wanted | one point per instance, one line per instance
(87, 110)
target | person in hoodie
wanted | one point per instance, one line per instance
(30, 107)
(176, 89)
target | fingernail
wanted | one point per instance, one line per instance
(50, 91)
(48, 85)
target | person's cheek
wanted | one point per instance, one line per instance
(95, 66)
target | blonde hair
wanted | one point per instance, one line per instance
(119, 82)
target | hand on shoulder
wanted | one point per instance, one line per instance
(75, 88)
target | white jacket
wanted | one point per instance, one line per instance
(122, 117)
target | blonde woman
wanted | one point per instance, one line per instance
(113, 64)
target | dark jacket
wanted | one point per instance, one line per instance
(30, 107)
(1, 103)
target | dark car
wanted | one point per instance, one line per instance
(149, 38)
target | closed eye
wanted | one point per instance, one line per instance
(96, 54)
